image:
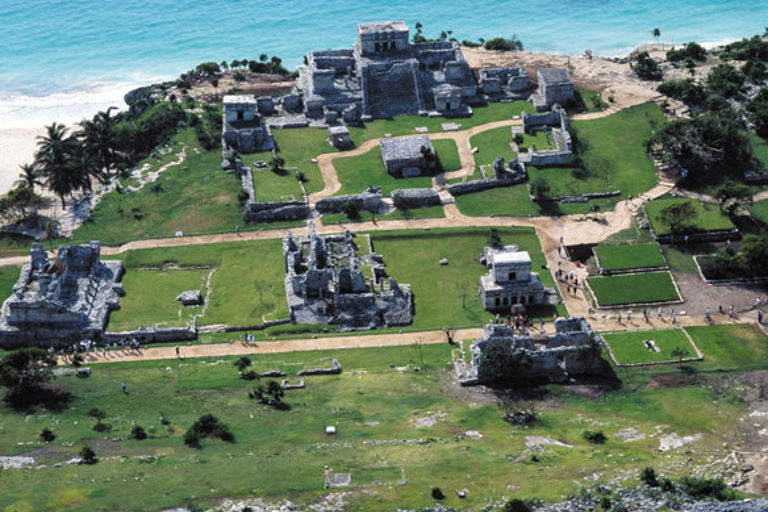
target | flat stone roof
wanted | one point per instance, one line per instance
(512, 257)
(234, 99)
(403, 147)
(381, 26)
(338, 130)
(555, 76)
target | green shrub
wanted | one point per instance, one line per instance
(88, 456)
(207, 426)
(47, 435)
(504, 45)
(138, 433)
(595, 436)
(707, 488)
(645, 66)
(437, 493)
(648, 477)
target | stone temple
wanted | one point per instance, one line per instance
(60, 302)
(384, 75)
(574, 349)
(555, 86)
(509, 281)
(408, 156)
(243, 127)
(327, 283)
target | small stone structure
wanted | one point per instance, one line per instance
(502, 177)
(501, 83)
(243, 128)
(190, 298)
(408, 156)
(338, 136)
(509, 280)
(60, 302)
(555, 86)
(384, 75)
(405, 198)
(369, 200)
(555, 126)
(327, 283)
(574, 349)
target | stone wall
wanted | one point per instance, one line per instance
(152, 335)
(467, 187)
(369, 201)
(415, 197)
(276, 210)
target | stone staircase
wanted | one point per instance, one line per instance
(393, 90)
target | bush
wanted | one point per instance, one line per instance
(138, 433)
(504, 45)
(437, 493)
(47, 435)
(707, 488)
(350, 209)
(540, 189)
(580, 173)
(725, 80)
(648, 477)
(239, 76)
(470, 44)
(692, 51)
(595, 436)
(207, 426)
(249, 375)
(686, 91)
(88, 456)
(754, 49)
(645, 67)
(516, 505)
(758, 112)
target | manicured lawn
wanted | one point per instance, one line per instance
(614, 146)
(404, 125)
(247, 287)
(634, 288)
(570, 182)
(492, 144)
(731, 346)
(195, 197)
(448, 153)
(515, 201)
(625, 257)
(759, 210)
(374, 404)
(708, 217)
(446, 296)
(760, 147)
(150, 298)
(360, 172)
(8, 278)
(270, 186)
(299, 146)
(629, 347)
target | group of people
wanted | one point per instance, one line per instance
(89, 346)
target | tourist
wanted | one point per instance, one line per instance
(760, 317)
(720, 309)
(123, 388)
(629, 315)
(672, 315)
(707, 314)
(661, 314)
(589, 311)
(731, 313)
(178, 352)
(619, 320)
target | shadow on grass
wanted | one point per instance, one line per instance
(50, 397)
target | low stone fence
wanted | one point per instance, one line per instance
(415, 197)
(241, 328)
(276, 210)
(703, 236)
(153, 335)
(736, 281)
(583, 198)
(369, 201)
(467, 187)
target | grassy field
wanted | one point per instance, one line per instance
(15, 245)
(299, 147)
(708, 217)
(448, 153)
(634, 288)
(759, 210)
(447, 295)
(358, 173)
(629, 347)
(570, 182)
(8, 278)
(626, 257)
(760, 148)
(731, 346)
(150, 298)
(494, 143)
(272, 186)
(247, 287)
(195, 197)
(374, 404)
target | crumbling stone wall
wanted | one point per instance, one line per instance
(415, 197)
(369, 201)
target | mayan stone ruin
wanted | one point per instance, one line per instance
(501, 355)
(385, 75)
(509, 281)
(505, 83)
(554, 86)
(408, 156)
(554, 124)
(326, 282)
(59, 302)
(243, 127)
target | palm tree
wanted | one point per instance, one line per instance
(28, 177)
(54, 159)
(656, 34)
(98, 137)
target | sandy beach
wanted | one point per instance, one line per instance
(17, 146)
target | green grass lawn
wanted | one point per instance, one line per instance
(271, 186)
(731, 346)
(629, 347)
(515, 201)
(708, 217)
(759, 210)
(448, 153)
(299, 146)
(150, 298)
(8, 278)
(358, 173)
(247, 286)
(446, 296)
(283, 454)
(15, 245)
(760, 148)
(404, 125)
(196, 197)
(492, 144)
(634, 288)
(626, 257)
(570, 182)
(614, 145)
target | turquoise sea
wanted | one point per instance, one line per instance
(69, 58)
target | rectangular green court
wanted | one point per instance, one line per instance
(651, 346)
(627, 257)
(643, 288)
